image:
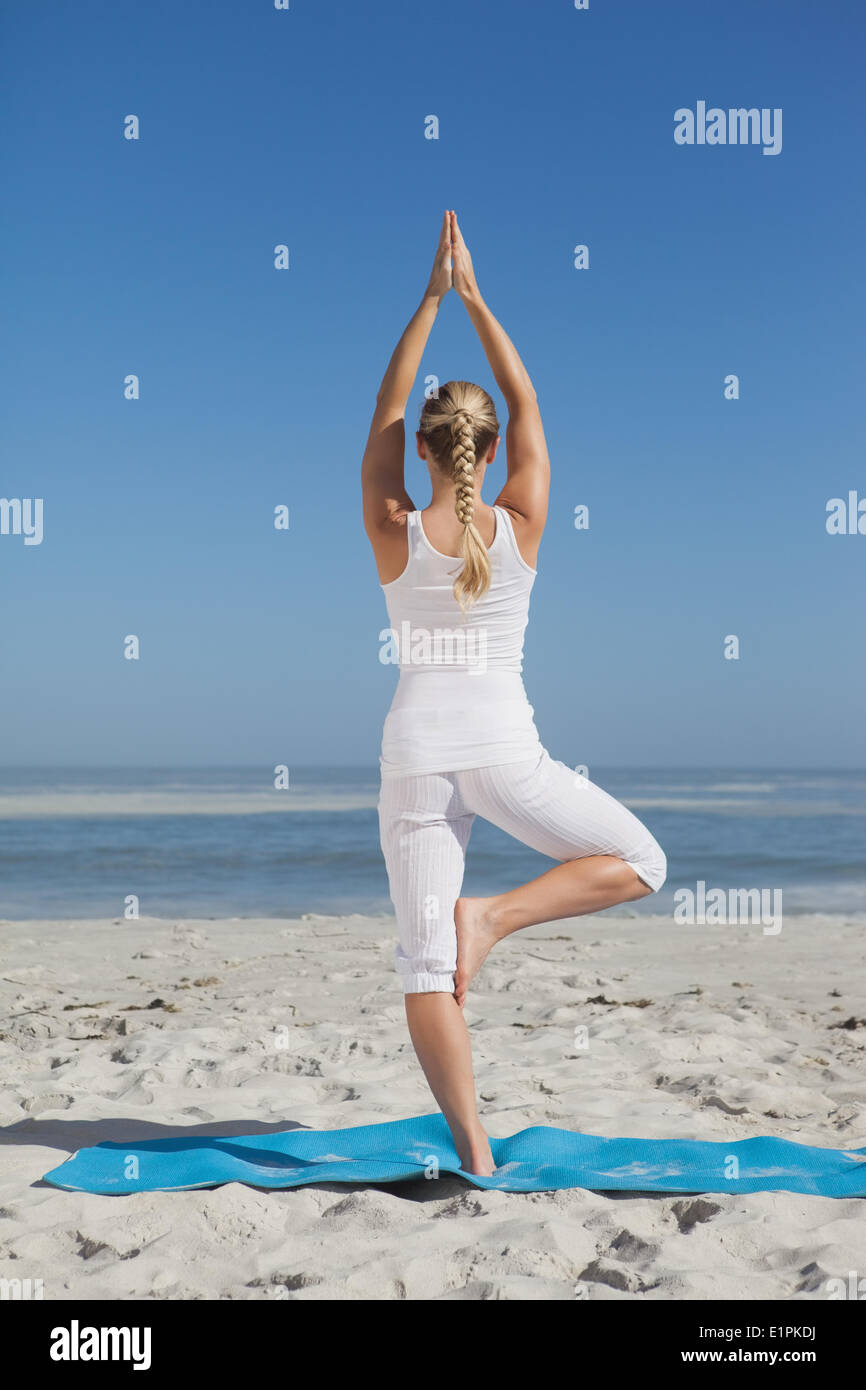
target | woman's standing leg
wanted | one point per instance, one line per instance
(440, 1037)
(425, 829)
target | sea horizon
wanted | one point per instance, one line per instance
(82, 841)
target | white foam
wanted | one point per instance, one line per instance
(49, 804)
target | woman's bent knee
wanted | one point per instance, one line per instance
(651, 866)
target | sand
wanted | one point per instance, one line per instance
(138, 1029)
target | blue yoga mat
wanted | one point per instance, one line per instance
(539, 1159)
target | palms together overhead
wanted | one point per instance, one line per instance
(463, 274)
(440, 275)
(452, 265)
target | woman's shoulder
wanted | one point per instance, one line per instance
(523, 539)
(394, 541)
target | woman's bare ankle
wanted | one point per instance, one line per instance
(473, 1149)
(478, 1159)
(500, 920)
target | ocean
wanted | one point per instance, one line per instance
(225, 843)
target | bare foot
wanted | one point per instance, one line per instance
(476, 935)
(476, 1157)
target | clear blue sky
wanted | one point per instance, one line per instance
(260, 127)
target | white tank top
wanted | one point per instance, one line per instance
(460, 701)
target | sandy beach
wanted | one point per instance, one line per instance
(140, 1029)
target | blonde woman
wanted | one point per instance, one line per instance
(459, 739)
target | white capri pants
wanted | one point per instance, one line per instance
(425, 823)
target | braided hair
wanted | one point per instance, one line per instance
(458, 425)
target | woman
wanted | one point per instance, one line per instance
(459, 739)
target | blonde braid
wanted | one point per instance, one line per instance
(474, 578)
(463, 465)
(458, 424)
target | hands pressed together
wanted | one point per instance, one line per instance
(452, 266)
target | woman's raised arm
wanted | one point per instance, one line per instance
(383, 486)
(527, 484)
